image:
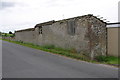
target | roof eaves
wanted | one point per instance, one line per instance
(45, 23)
(113, 23)
(29, 29)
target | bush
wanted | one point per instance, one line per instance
(20, 41)
(12, 35)
(101, 58)
(73, 51)
(49, 46)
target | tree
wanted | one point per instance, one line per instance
(0, 33)
(10, 32)
(5, 34)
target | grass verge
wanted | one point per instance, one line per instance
(71, 53)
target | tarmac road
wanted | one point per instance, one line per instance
(23, 62)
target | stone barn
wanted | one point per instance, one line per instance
(86, 34)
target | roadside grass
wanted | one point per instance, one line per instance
(113, 60)
(108, 60)
(7, 35)
(71, 53)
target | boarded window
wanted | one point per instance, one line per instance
(40, 30)
(71, 27)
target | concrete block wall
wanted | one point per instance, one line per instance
(113, 41)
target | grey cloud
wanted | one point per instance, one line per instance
(6, 4)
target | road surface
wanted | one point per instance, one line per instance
(23, 62)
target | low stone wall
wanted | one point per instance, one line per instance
(26, 36)
(9, 38)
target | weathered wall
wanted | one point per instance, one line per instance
(113, 49)
(97, 36)
(26, 36)
(58, 34)
(86, 34)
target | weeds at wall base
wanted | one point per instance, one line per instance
(115, 61)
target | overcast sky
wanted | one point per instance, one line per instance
(22, 14)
